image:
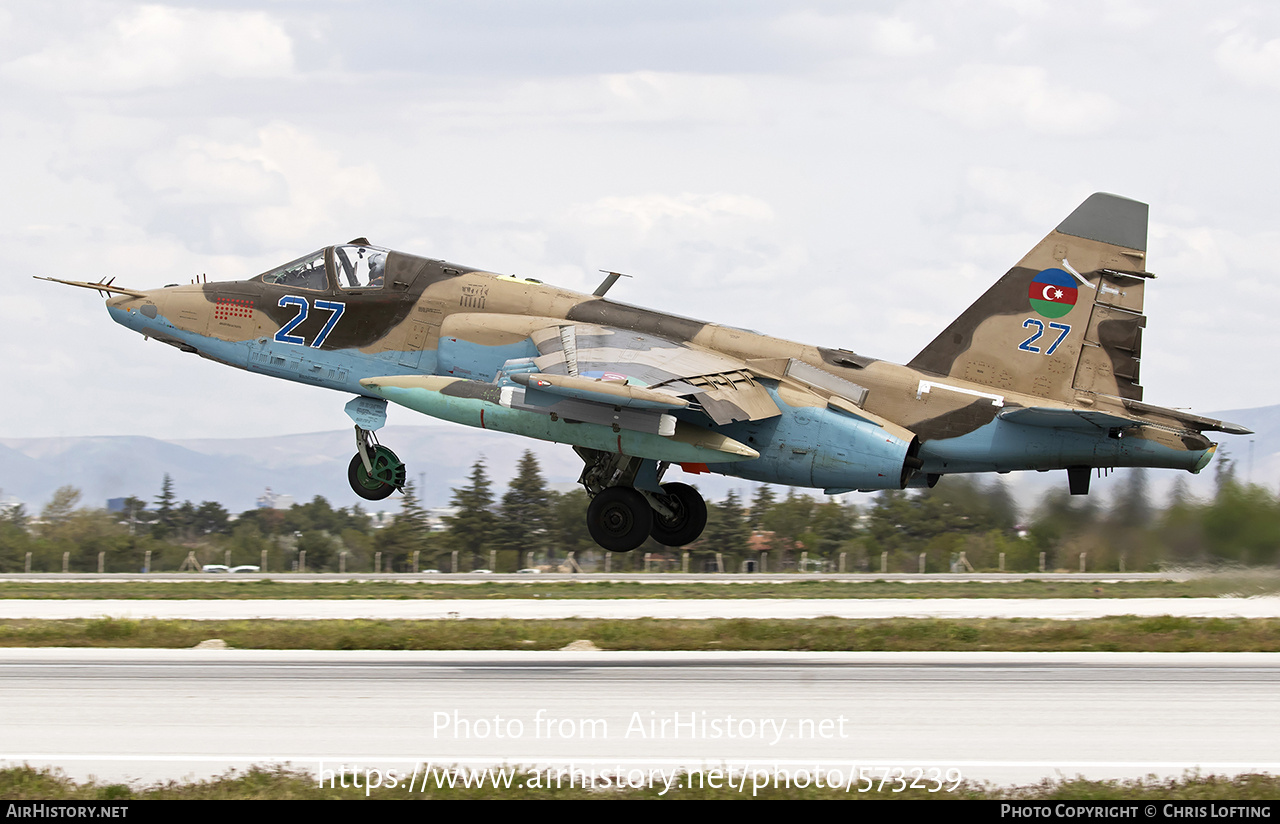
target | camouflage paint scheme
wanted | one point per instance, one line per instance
(1040, 373)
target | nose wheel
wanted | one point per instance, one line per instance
(375, 471)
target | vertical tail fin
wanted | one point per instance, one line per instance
(1066, 321)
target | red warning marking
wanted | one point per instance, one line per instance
(695, 468)
(226, 308)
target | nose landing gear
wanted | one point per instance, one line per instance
(375, 471)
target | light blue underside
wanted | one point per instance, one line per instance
(804, 446)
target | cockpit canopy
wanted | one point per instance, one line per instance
(360, 267)
(355, 265)
(307, 272)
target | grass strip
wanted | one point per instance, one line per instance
(1116, 634)
(283, 782)
(1206, 587)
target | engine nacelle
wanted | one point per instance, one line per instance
(828, 448)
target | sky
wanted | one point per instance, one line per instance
(849, 175)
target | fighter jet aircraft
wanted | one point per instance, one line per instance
(1040, 373)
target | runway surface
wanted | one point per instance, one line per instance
(598, 577)
(1004, 717)
(1063, 609)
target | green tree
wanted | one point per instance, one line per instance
(211, 518)
(1243, 524)
(15, 541)
(473, 526)
(1132, 507)
(788, 520)
(526, 511)
(165, 509)
(1002, 507)
(728, 530)
(761, 505)
(57, 513)
(567, 524)
(831, 527)
(407, 534)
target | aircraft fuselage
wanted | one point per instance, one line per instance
(430, 317)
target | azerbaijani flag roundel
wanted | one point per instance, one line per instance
(1052, 293)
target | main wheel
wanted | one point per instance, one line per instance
(689, 516)
(619, 519)
(388, 474)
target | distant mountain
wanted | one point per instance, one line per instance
(236, 471)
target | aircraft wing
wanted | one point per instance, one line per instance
(602, 388)
(585, 371)
(1089, 419)
(631, 369)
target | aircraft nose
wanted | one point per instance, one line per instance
(134, 311)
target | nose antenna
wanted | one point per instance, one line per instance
(102, 287)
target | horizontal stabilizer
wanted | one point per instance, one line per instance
(1066, 418)
(1196, 422)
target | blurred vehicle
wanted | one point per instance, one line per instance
(245, 568)
(215, 568)
(529, 571)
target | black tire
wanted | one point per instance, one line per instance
(690, 516)
(619, 519)
(369, 488)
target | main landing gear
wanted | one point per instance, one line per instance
(375, 471)
(629, 505)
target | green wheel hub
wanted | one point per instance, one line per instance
(388, 474)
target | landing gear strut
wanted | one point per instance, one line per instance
(375, 471)
(628, 505)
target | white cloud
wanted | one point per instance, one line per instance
(692, 213)
(1242, 56)
(992, 97)
(197, 170)
(644, 97)
(843, 33)
(895, 37)
(719, 256)
(668, 96)
(281, 189)
(158, 46)
(1019, 198)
